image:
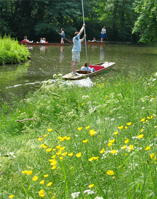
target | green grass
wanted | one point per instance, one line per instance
(11, 52)
(99, 141)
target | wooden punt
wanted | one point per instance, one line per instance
(99, 68)
(43, 44)
(95, 43)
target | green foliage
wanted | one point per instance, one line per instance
(11, 52)
(146, 24)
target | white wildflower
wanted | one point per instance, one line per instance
(98, 197)
(89, 192)
(75, 195)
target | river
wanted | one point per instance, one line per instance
(131, 60)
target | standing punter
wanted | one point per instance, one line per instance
(62, 35)
(76, 49)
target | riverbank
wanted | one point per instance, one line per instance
(67, 141)
(11, 52)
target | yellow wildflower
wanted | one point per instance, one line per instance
(44, 135)
(54, 167)
(41, 193)
(102, 150)
(11, 196)
(64, 154)
(126, 127)
(112, 141)
(129, 123)
(126, 141)
(54, 162)
(131, 147)
(78, 155)
(110, 172)
(79, 128)
(58, 147)
(120, 127)
(44, 146)
(49, 184)
(40, 138)
(110, 144)
(87, 127)
(115, 133)
(150, 117)
(42, 182)
(54, 156)
(48, 150)
(85, 141)
(124, 147)
(147, 148)
(140, 136)
(35, 178)
(70, 154)
(92, 132)
(143, 119)
(68, 138)
(49, 130)
(61, 158)
(45, 176)
(152, 155)
(141, 130)
(91, 185)
(114, 151)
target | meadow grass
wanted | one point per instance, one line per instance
(88, 143)
(11, 52)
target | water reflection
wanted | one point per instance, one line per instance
(42, 49)
(102, 54)
(61, 54)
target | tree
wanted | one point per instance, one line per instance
(146, 24)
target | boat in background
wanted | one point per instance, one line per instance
(43, 44)
(99, 68)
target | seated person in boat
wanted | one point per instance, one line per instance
(26, 40)
(93, 40)
(85, 67)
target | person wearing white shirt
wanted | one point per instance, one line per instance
(103, 32)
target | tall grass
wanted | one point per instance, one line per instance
(73, 142)
(11, 52)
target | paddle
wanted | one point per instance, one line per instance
(65, 38)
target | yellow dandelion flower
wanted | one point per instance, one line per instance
(64, 154)
(126, 141)
(58, 147)
(85, 141)
(42, 182)
(91, 185)
(120, 127)
(68, 138)
(70, 154)
(41, 193)
(131, 147)
(53, 197)
(115, 133)
(141, 130)
(110, 144)
(44, 146)
(62, 148)
(124, 147)
(102, 150)
(110, 172)
(45, 176)
(150, 117)
(54, 167)
(49, 184)
(140, 136)
(11, 196)
(129, 123)
(54, 156)
(48, 150)
(114, 151)
(49, 130)
(35, 178)
(59, 153)
(29, 172)
(41, 138)
(95, 158)
(79, 128)
(92, 132)
(44, 135)
(143, 119)
(24, 172)
(61, 158)
(53, 163)
(91, 159)
(152, 155)
(78, 155)
(112, 141)
(87, 127)
(126, 127)
(147, 148)
(54, 149)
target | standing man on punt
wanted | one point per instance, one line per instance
(76, 49)
(103, 32)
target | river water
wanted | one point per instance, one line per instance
(18, 80)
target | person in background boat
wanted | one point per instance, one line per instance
(76, 49)
(62, 35)
(93, 40)
(86, 67)
(103, 32)
(42, 40)
(26, 40)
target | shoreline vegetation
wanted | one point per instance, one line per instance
(87, 143)
(11, 52)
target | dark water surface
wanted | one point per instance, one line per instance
(17, 80)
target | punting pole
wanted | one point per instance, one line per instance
(85, 33)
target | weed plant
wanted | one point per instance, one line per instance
(11, 52)
(87, 143)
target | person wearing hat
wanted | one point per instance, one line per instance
(76, 49)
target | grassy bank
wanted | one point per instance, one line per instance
(11, 52)
(73, 142)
